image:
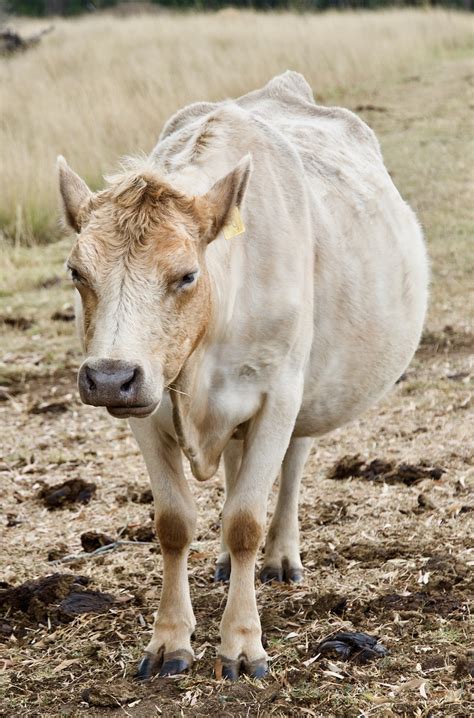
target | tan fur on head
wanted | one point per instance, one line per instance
(141, 201)
(139, 237)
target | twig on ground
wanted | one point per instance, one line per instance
(99, 551)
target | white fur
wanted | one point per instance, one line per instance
(316, 311)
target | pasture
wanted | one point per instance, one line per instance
(387, 549)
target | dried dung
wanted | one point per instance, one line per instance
(144, 497)
(57, 552)
(6, 630)
(58, 597)
(356, 467)
(370, 108)
(137, 497)
(52, 407)
(67, 493)
(375, 554)
(92, 540)
(13, 520)
(66, 314)
(447, 571)
(21, 323)
(358, 647)
(329, 513)
(464, 667)
(441, 604)
(30, 596)
(79, 602)
(323, 604)
(140, 533)
(110, 697)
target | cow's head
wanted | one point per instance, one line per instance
(138, 263)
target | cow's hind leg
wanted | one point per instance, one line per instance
(232, 461)
(282, 546)
(169, 652)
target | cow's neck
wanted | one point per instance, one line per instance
(201, 432)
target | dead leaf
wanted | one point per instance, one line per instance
(415, 683)
(334, 674)
(64, 664)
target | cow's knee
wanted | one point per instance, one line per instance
(243, 532)
(175, 529)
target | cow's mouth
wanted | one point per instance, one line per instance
(127, 412)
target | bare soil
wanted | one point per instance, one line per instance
(385, 555)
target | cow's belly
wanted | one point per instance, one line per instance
(344, 381)
(369, 308)
(321, 412)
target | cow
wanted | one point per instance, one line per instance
(255, 282)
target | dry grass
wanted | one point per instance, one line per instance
(361, 541)
(101, 87)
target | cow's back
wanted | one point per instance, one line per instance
(322, 168)
(370, 288)
(370, 280)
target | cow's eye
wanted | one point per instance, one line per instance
(188, 279)
(75, 276)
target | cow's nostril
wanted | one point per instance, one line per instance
(91, 385)
(127, 385)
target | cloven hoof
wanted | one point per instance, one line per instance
(281, 574)
(222, 573)
(231, 670)
(164, 664)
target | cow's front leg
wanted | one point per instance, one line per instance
(243, 522)
(282, 546)
(169, 650)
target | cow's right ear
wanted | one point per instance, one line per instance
(75, 195)
(226, 194)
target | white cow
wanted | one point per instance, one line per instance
(256, 282)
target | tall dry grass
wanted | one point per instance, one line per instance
(100, 87)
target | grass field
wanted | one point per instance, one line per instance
(389, 559)
(97, 88)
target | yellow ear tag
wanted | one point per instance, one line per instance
(234, 226)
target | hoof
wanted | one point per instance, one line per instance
(256, 669)
(164, 664)
(222, 573)
(226, 668)
(149, 666)
(293, 575)
(175, 663)
(269, 574)
(231, 670)
(283, 574)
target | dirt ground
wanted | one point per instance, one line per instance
(391, 558)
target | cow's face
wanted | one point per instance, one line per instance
(138, 263)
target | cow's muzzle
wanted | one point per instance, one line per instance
(117, 385)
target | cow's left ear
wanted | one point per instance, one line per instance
(218, 203)
(75, 195)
